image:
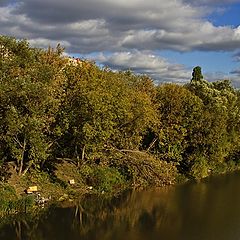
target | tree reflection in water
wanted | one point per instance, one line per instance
(208, 210)
(133, 212)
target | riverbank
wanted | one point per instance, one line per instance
(70, 129)
(66, 182)
(209, 208)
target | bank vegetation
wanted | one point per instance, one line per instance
(108, 130)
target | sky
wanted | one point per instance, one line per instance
(164, 39)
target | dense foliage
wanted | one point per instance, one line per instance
(113, 125)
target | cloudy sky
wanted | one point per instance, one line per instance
(162, 38)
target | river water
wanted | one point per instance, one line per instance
(193, 211)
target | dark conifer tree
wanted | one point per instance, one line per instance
(197, 74)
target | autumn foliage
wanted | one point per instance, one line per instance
(118, 122)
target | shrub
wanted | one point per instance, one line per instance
(10, 203)
(102, 178)
(4, 172)
(142, 169)
(199, 168)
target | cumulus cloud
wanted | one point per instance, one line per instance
(147, 63)
(236, 71)
(233, 76)
(44, 43)
(198, 36)
(136, 26)
(211, 2)
(236, 77)
(4, 2)
(236, 57)
(92, 25)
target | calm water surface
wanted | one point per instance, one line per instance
(202, 211)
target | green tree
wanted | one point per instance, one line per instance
(179, 115)
(220, 120)
(197, 74)
(104, 110)
(29, 97)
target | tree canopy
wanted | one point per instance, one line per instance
(52, 109)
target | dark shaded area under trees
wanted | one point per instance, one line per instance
(115, 127)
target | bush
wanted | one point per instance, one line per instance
(4, 172)
(200, 168)
(10, 203)
(102, 178)
(7, 198)
(142, 169)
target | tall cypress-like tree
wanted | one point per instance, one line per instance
(197, 74)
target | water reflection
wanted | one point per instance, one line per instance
(204, 211)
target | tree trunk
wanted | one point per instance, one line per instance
(22, 158)
(27, 168)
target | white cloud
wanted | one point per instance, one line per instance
(233, 76)
(135, 26)
(236, 57)
(236, 71)
(147, 63)
(44, 43)
(211, 2)
(93, 25)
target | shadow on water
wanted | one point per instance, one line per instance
(206, 210)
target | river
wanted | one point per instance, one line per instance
(209, 210)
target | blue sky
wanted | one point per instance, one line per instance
(220, 62)
(162, 38)
(228, 16)
(209, 61)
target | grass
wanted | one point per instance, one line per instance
(11, 203)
